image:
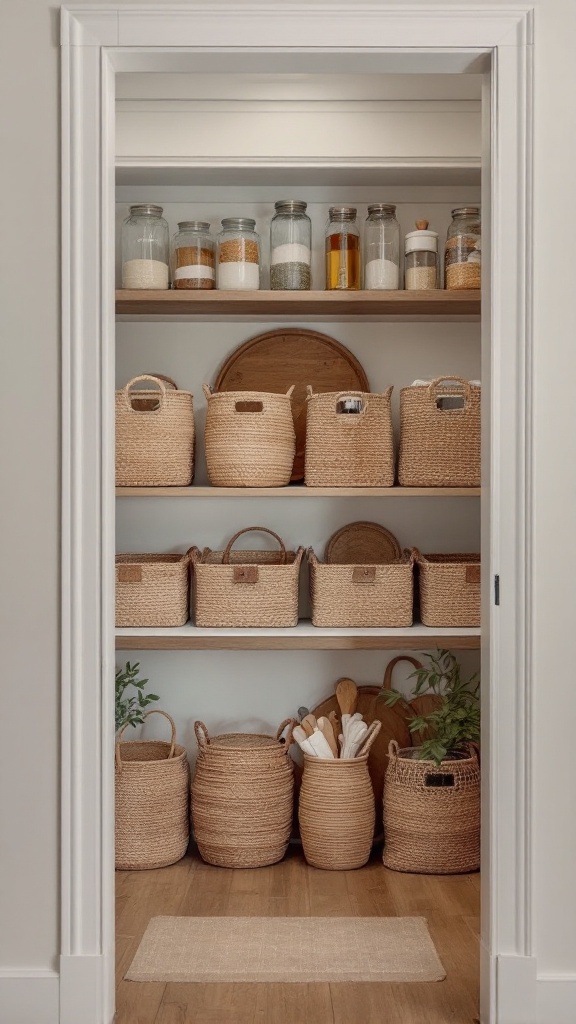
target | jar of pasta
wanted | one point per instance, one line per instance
(462, 257)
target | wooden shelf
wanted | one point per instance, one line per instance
(302, 637)
(297, 491)
(438, 303)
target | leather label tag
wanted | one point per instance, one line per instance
(364, 574)
(472, 574)
(129, 574)
(245, 574)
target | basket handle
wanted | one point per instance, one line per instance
(434, 385)
(369, 737)
(289, 737)
(155, 711)
(201, 735)
(207, 391)
(474, 749)
(253, 529)
(167, 380)
(144, 376)
(387, 683)
(393, 749)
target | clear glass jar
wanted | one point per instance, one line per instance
(238, 255)
(193, 260)
(290, 246)
(145, 244)
(342, 248)
(462, 256)
(421, 258)
(381, 248)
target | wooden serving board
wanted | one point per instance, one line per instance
(292, 356)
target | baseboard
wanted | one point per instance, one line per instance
(83, 987)
(526, 997)
(556, 999)
(29, 996)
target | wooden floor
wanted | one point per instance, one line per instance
(291, 888)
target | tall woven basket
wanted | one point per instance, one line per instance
(249, 438)
(431, 814)
(440, 443)
(336, 810)
(152, 786)
(346, 449)
(242, 793)
(154, 435)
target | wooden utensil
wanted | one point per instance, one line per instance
(309, 723)
(320, 744)
(369, 738)
(327, 731)
(347, 696)
(335, 723)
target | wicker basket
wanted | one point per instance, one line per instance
(152, 786)
(154, 435)
(242, 793)
(250, 439)
(362, 595)
(246, 588)
(336, 811)
(449, 589)
(152, 590)
(349, 449)
(439, 445)
(431, 813)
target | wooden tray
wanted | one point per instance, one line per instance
(362, 544)
(292, 355)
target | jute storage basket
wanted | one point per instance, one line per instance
(152, 590)
(152, 795)
(431, 813)
(349, 449)
(154, 435)
(242, 797)
(336, 810)
(249, 439)
(362, 595)
(449, 589)
(246, 588)
(440, 445)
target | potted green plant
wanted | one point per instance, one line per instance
(129, 709)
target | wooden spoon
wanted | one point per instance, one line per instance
(347, 696)
(328, 732)
(309, 724)
(333, 719)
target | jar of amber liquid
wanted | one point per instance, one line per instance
(342, 249)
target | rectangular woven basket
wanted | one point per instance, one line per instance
(449, 589)
(362, 595)
(152, 589)
(154, 435)
(440, 444)
(349, 450)
(246, 588)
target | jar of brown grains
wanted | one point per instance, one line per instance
(238, 255)
(193, 261)
(462, 257)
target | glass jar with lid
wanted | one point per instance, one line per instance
(381, 248)
(342, 248)
(462, 256)
(193, 262)
(290, 246)
(238, 255)
(421, 258)
(145, 243)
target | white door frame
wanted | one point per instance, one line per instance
(97, 42)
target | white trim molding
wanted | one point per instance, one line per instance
(29, 996)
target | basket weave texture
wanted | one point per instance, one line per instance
(362, 595)
(154, 435)
(242, 793)
(152, 589)
(249, 439)
(440, 447)
(246, 588)
(349, 450)
(152, 797)
(431, 829)
(449, 589)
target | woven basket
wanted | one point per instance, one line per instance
(246, 588)
(154, 435)
(449, 588)
(250, 439)
(152, 590)
(440, 446)
(152, 784)
(242, 797)
(336, 811)
(349, 450)
(431, 814)
(362, 595)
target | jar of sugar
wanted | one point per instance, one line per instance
(290, 246)
(381, 248)
(145, 248)
(238, 255)
(421, 258)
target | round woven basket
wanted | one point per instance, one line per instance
(249, 438)
(154, 435)
(152, 784)
(242, 797)
(431, 813)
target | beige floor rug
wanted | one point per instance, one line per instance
(285, 949)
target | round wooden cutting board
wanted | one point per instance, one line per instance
(292, 356)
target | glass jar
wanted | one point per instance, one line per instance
(238, 255)
(290, 246)
(381, 248)
(462, 257)
(342, 249)
(145, 243)
(421, 258)
(193, 263)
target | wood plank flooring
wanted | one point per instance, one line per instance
(191, 888)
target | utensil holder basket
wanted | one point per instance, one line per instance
(154, 435)
(349, 449)
(440, 444)
(336, 813)
(152, 589)
(249, 438)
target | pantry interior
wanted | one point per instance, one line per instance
(209, 145)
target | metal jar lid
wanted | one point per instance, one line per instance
(388, 209)
(146, 210)
(193, 225)
(466, 211)
(290, 206)
(238, 224)
(342, 213)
